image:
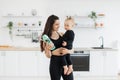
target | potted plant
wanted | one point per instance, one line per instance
(10, 26)
(94, 17)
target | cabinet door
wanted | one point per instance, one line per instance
(1, 64)
(2, 55)
(96, 63)
(42, 64)
(27, 63)
(111, 63)
(11, 63)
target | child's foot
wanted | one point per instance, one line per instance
(65, 70)
(70, 69)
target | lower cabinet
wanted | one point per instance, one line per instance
(104, 64)
(42, 64)
(96, 63)
(10, 63)
(111, 63)
(24, 64)
(27, 63)
(30, 65)
(2, 65)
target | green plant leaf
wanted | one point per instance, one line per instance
(10, 25)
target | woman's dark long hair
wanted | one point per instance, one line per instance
(48, 28)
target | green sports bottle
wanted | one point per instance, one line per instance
(46, 39)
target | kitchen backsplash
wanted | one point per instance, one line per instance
(83, 38)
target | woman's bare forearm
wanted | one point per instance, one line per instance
(48, 55)
(71, 51)
(47, 52)
(57, 52)
(62, 51)
(67, 51)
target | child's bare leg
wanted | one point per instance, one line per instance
(70, 69)
(65, 69)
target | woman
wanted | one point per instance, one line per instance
(56, 69)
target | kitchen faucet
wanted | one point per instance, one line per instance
(102, 40)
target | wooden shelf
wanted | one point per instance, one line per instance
(22, 16)
(87, 22)
(86, 16)
(22, 27)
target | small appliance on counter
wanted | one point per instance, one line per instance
(35, 37)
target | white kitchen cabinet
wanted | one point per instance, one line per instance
(27, 63)
(23, 63)
(33, 63)
(2, 63)
(96, 63)
(10, 63)
(42, 64)
(104, 64)
(111, 63)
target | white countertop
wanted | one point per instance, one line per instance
(91, 49)
(10, 48)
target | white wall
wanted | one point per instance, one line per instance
(84, 37)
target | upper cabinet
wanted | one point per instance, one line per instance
(92, 20)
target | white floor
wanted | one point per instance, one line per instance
(23, 78)
(44, 78)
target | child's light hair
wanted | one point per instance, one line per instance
(71, 19)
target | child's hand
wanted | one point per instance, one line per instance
(64, 43)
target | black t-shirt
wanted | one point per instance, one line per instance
(69, 38)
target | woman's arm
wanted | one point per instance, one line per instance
(62, 51)
(47, 53)
(47, 48)
(57, 52)
(66, 51)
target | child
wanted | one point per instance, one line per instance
(68, 39)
